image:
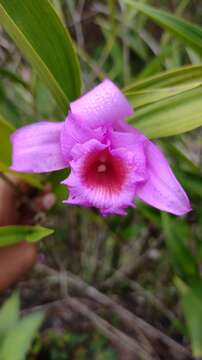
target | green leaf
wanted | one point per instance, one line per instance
(155, 65)
(148, 96)
(5, 149)
(189, 33)
(192, 182)
(10, 235)
(37, 30)
(18, 341)
(176, 234)
(9, 314)
(9, 75)
(179, 156)
(149, 213)
(32, 179)
(192, 307)
(182, 76)
(170, 116)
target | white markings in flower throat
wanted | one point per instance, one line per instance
(102, 167)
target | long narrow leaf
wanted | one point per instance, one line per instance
(5, 148)
(10, 235)
(189, 33)
(181, 257)
(34, 180)
(148, 96)
(172, 116)
(192, 307)
(9, 314)
(182, 76)
(38, 32)
(17, 343)
(9, 75)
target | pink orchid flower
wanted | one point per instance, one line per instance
(111, 162)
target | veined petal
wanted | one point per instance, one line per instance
(76, 132)
(133, 143)
(162, 190)
(36, 148)
(126, 139)
(136, 162)
(104, 105)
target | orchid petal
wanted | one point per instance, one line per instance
(126, 139)
(36, 148)
(105, 105)
(75, 132)
(162, 190)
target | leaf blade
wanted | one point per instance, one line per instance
(148, 96)
(9, 314)
(17, 342)
(189, 33)
(5, 150)
(192, 307)
(14, 234)
(37, 31)
(171, 116)
(181, 76)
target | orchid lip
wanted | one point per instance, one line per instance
(102, 169)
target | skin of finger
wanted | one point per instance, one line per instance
(8, 203)
(17, 259)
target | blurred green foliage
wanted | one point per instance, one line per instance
(16, 335)
(66, 345)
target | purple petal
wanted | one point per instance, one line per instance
(126, 139)
(36, 148)
(133, 142)
(135, 159)
(103, 106)
(162, 190)
(75, 132)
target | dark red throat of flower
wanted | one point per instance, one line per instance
(101, 169)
